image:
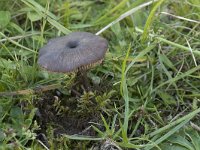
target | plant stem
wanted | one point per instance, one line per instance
(32, 91)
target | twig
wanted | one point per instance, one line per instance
(16, 43)
(180, 17)
(35, 90)
(17, 37)
(43, 145)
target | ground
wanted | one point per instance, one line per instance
(144, 95)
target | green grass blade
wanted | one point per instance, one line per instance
(168, 134)
(121, 4)
(16, 43)
(124, 93)
(37, 7)
(126, 14)
(171, 43)
(52, 19)
(150, 20)
(85, 138)
(139, 56)
(188, 116)
(183, 75)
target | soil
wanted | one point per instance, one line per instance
(60, 112)
(68, 121)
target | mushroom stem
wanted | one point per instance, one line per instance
(86, 82)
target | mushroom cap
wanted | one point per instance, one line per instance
(73, 52)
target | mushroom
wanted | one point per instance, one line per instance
(74, 52)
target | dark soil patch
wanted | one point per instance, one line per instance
(70, 112)
(62, 114)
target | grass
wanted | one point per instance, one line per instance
(145, 94)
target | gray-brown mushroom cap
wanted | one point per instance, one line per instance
(73, 52)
